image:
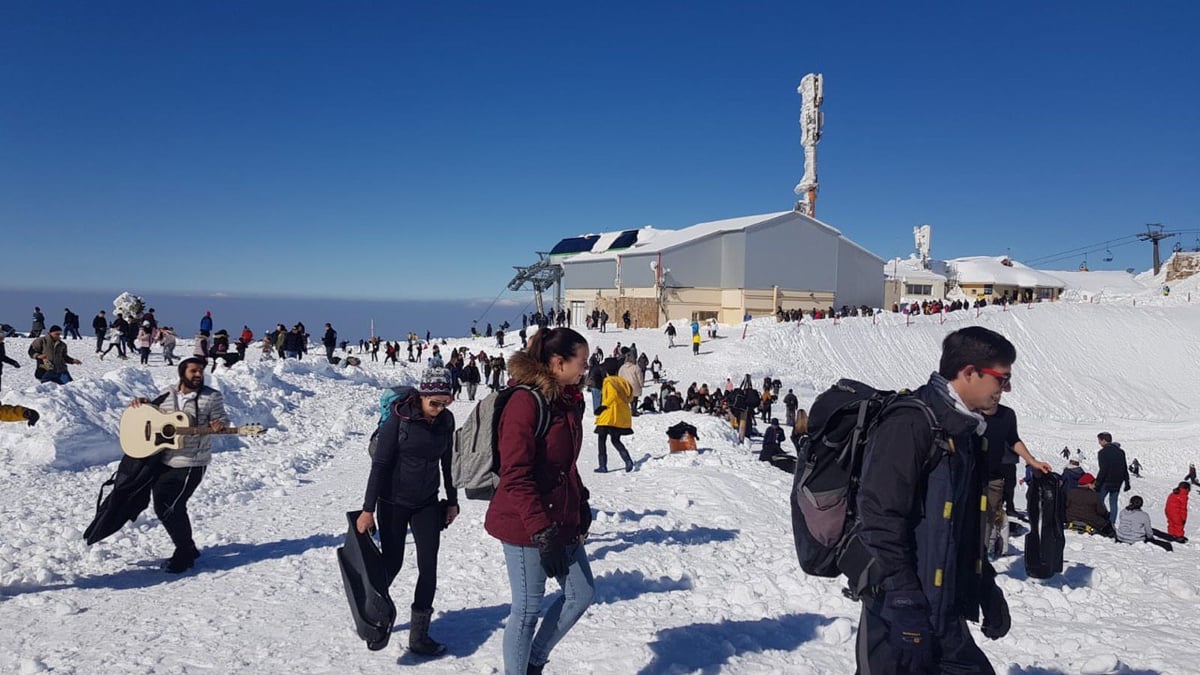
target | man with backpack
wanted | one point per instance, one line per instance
(916, 553)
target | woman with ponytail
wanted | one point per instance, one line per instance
(540, 512)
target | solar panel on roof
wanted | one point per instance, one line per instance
(575, 245)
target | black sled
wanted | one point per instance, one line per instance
(366, 584)
(1047, 517)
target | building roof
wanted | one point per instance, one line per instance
(1002, 271)
(651, 240)
(911, 269)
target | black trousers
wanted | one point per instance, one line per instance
(426, 522)
(1010, 486)
(603, 451)
(956, 651)
(171, 493)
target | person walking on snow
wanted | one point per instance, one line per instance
(184, 469)
(1113, 472)
(206, 323)
(100, 327)
(415, 442)
(670, 334)
(541, 513)
(4, 358)
(614, 418)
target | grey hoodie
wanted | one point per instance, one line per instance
(1134, 526)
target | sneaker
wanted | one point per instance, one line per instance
(628, 467)
(600, 469)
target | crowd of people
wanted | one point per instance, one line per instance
(906, 510)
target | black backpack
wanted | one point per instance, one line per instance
(1047, 516)
(829, 462)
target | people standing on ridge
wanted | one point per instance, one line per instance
(541, 542)
(914, 614)
(329, 340)
(70, 324)
(614, 417)
(39, 323)
(184, 469)
(498, 369)
(206, 323)
(115, 338)
(100, 327)
(145, 340)
(51, 354)
(415, 442)
(1113, 472)
(166, 337)
(293, 343)
(626, 320)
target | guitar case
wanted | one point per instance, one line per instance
(131, 483)
(366, 584)
(1047, 517)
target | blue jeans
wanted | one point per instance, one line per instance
(57, 378)
(1110, 495)
(528, 583)
(595, 398)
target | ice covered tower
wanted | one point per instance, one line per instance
(812, 93)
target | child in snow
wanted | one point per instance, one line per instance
(1177, 503)
(1134, 525)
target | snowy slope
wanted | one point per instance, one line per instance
(692, 553)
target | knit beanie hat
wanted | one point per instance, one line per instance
(434, 382)
(1086, 479)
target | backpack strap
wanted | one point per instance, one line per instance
(543, 411)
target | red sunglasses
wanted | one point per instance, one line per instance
(1005, 379)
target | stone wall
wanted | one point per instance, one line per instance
(1182, 265)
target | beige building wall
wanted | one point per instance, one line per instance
(728, 305)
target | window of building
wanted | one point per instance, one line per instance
(703, 316)
(988, 289)
(1045, 293)
(918, 289)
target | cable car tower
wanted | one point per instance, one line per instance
(1154, 234)
(541, 276)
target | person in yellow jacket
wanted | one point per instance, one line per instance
(695, 344)
(18, 413)
(614, 417)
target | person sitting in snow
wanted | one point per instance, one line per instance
(18, 413)
(1085, 512)
(1071, 476)
(1133, 525)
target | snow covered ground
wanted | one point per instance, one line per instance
(692, 553)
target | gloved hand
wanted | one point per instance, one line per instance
(552, 552)
(585, 518)
(1127, 486)
(31, 415)
(996, 620)
(601, 409)
(909, 630)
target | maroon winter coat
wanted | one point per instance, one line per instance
(539, 481)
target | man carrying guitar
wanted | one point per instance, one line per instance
(185, 467)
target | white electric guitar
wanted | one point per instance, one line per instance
(146, 430)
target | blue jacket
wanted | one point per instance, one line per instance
(921, 528)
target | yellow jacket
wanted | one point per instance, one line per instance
(615, 394)
(12, 413)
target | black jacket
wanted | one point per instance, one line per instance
(4, 358)
(330, 337)
(293, 342)
(100, 324)
(921, 527)
(470, 374)
(1114, 471)
(404, 471)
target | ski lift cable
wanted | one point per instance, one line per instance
(1075, 254)
(1079, 250)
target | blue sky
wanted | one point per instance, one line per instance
(419, 150)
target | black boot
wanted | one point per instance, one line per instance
(534, 670)
(419, 641)
(181, 561)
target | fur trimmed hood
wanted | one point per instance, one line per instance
(526, 370)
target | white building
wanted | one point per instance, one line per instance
(722, 269)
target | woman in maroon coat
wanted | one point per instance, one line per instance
(540, 512)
